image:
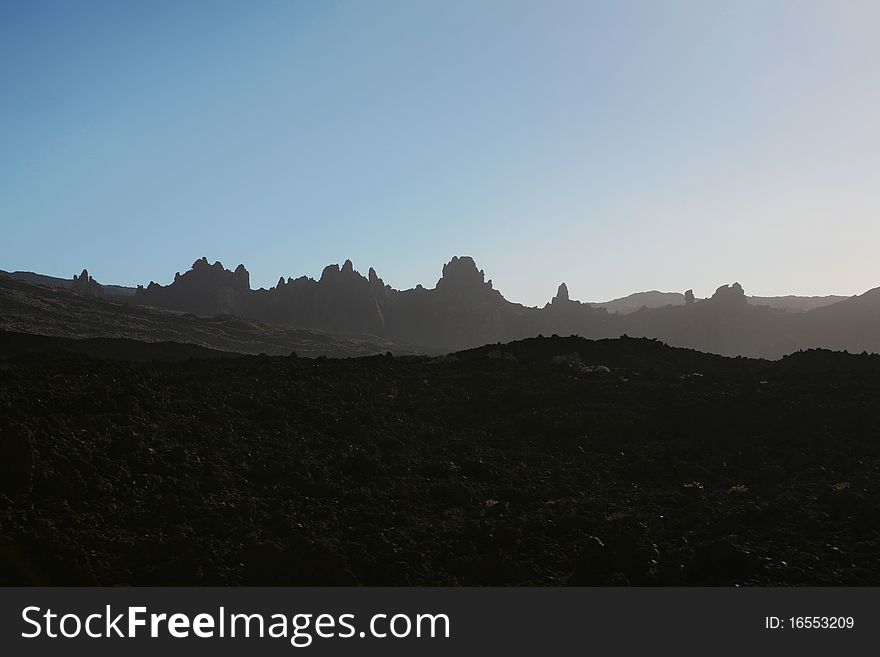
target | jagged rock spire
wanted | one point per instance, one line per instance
(87, 285)
(561, 294)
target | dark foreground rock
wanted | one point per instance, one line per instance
(16, 461)
(549, 462)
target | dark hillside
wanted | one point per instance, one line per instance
(57, 312)
(22, 344)
(633, 354)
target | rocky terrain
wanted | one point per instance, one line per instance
(623, 305)
(13, 345)
(67, 313)
(464, 310)
(548, 461)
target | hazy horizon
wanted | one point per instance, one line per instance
(617, 148)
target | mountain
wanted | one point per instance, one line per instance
(655, 299)
(795, 304)
(726, 324)
(639, 300)
(65, 313)
(464, 310)
(622, 305)
(852, 324)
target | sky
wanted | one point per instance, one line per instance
(616, 146)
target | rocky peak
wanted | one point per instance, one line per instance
(561, 294)
(374, 278)
(241, 278)
(330, 271)
(85, 284)
(730, 296)
(461, 273)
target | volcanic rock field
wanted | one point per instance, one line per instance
(550, 461)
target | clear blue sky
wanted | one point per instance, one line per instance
(618, 146)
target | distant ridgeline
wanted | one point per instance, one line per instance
(83, 283)
(464, 310)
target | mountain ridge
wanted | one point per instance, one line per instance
(464, 310)
(622, 305)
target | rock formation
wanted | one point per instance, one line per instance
(729, 297)
(464, 310)
(461, 276)
(85, 284)
(204, 290)
(561, 294)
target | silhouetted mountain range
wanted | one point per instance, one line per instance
(623, 305)
(464, 310)
(655, 299)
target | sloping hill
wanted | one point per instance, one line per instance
(65, 283)
(629, 353)
(53, 311)
(13, 345)
(853, 324)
